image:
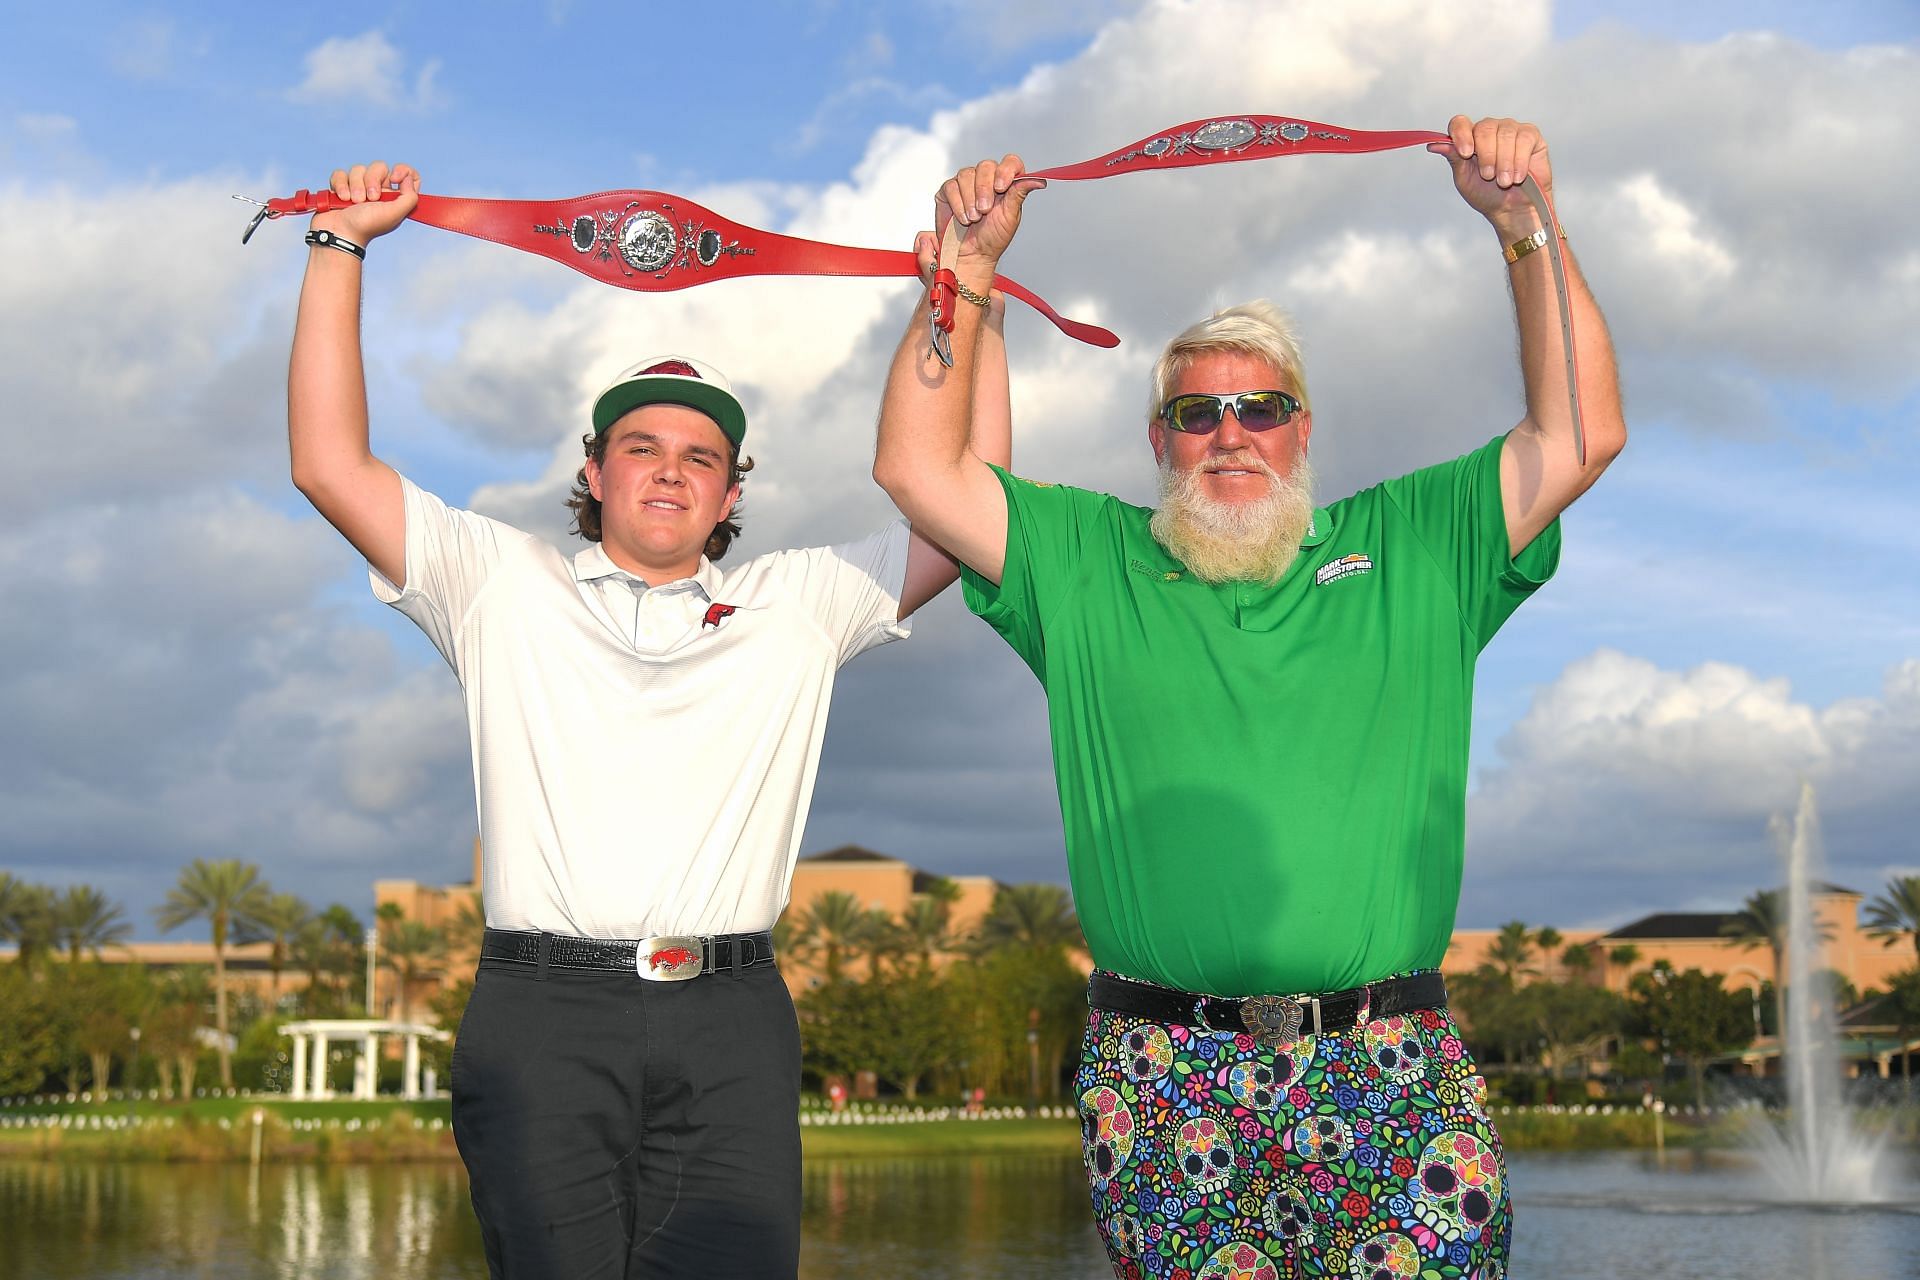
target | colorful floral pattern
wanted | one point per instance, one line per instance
(1364, 1154)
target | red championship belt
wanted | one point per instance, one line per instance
(655, 242)
(1225, 139)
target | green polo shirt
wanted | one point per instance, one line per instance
(1264, 788)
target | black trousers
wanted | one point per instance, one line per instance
(614, 1127)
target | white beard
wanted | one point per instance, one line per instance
(1234, 541)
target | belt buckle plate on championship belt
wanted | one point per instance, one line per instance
(673, 958)
(1273, 1021)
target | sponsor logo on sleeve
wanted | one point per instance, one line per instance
(1345, 567)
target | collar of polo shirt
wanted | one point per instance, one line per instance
(592, 563)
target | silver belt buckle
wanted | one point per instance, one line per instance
(673, 957)
(1274, 1021)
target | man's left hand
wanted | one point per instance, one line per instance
(1490, 159)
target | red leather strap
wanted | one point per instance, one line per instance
(1236, 138)
(1225, 139)
(655, 242)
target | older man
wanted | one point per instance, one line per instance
(645, 728)
(1260, 712)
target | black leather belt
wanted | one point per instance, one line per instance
(663, 958)
(1275, 1021)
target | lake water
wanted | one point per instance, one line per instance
(1580, 1217)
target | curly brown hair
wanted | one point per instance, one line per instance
(586, 507)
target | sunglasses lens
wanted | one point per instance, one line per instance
(1194, 413)
(1261, 410)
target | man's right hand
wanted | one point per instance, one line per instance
(986, 198)
(370, 216)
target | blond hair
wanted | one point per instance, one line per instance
(1256, 328)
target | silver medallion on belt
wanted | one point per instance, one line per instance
(1272, 1021)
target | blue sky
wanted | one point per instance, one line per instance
(195, 668)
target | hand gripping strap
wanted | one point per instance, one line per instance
(655, 242)
(1225, 139)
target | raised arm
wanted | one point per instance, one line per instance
(940, 426)
(333, 463)
(1540, 474)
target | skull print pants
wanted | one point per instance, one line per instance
(1365, 1153)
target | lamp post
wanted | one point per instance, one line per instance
(133, 1065)
(1033, 1056)
(373, 952)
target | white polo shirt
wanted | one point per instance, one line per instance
(643, 758)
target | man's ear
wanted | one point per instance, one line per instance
(593, 479)
(1157, 437)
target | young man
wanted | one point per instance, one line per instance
(645, 729)
(1259, 715)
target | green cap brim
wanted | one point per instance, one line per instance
(618, 401)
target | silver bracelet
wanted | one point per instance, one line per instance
(324, 239)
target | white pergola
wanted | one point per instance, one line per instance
(321, 1033)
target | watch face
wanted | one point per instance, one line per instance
(647, 241)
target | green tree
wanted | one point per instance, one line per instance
(26, 920)
(1903, 1011)
(1693, 1016)
(1005, 994)
(1495, 1017)
(926, 931)
(467, 928)
(900, 1026)
(829, 931)
(1766, 917)
(1035, 916)
(30, 1044)
(1548, 940)
(1578, 960)
(1574, 1020)
(883, 941)
(414, 952)
(281, 918)
(85, 920)
(231, 897)
(330, 950)
(1512, 952)
(1896, 912)
(98, 1004)
(171, 1036)
(1626, 955)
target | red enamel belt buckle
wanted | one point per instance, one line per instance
(670, 957)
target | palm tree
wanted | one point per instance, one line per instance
(469, 924)
(26, 919)
(1548, 939)
(282, 918)
(831, 928)
(926, 930)
(415, 952)
(1626, 955)
(84, 919)
(1896, 911)
(230, 896)
(1039, 916)
(881, 935)
(1577, 960)
(11, 891)
(1765, 917)
(1512, 952)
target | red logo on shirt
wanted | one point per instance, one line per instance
(716, 614)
